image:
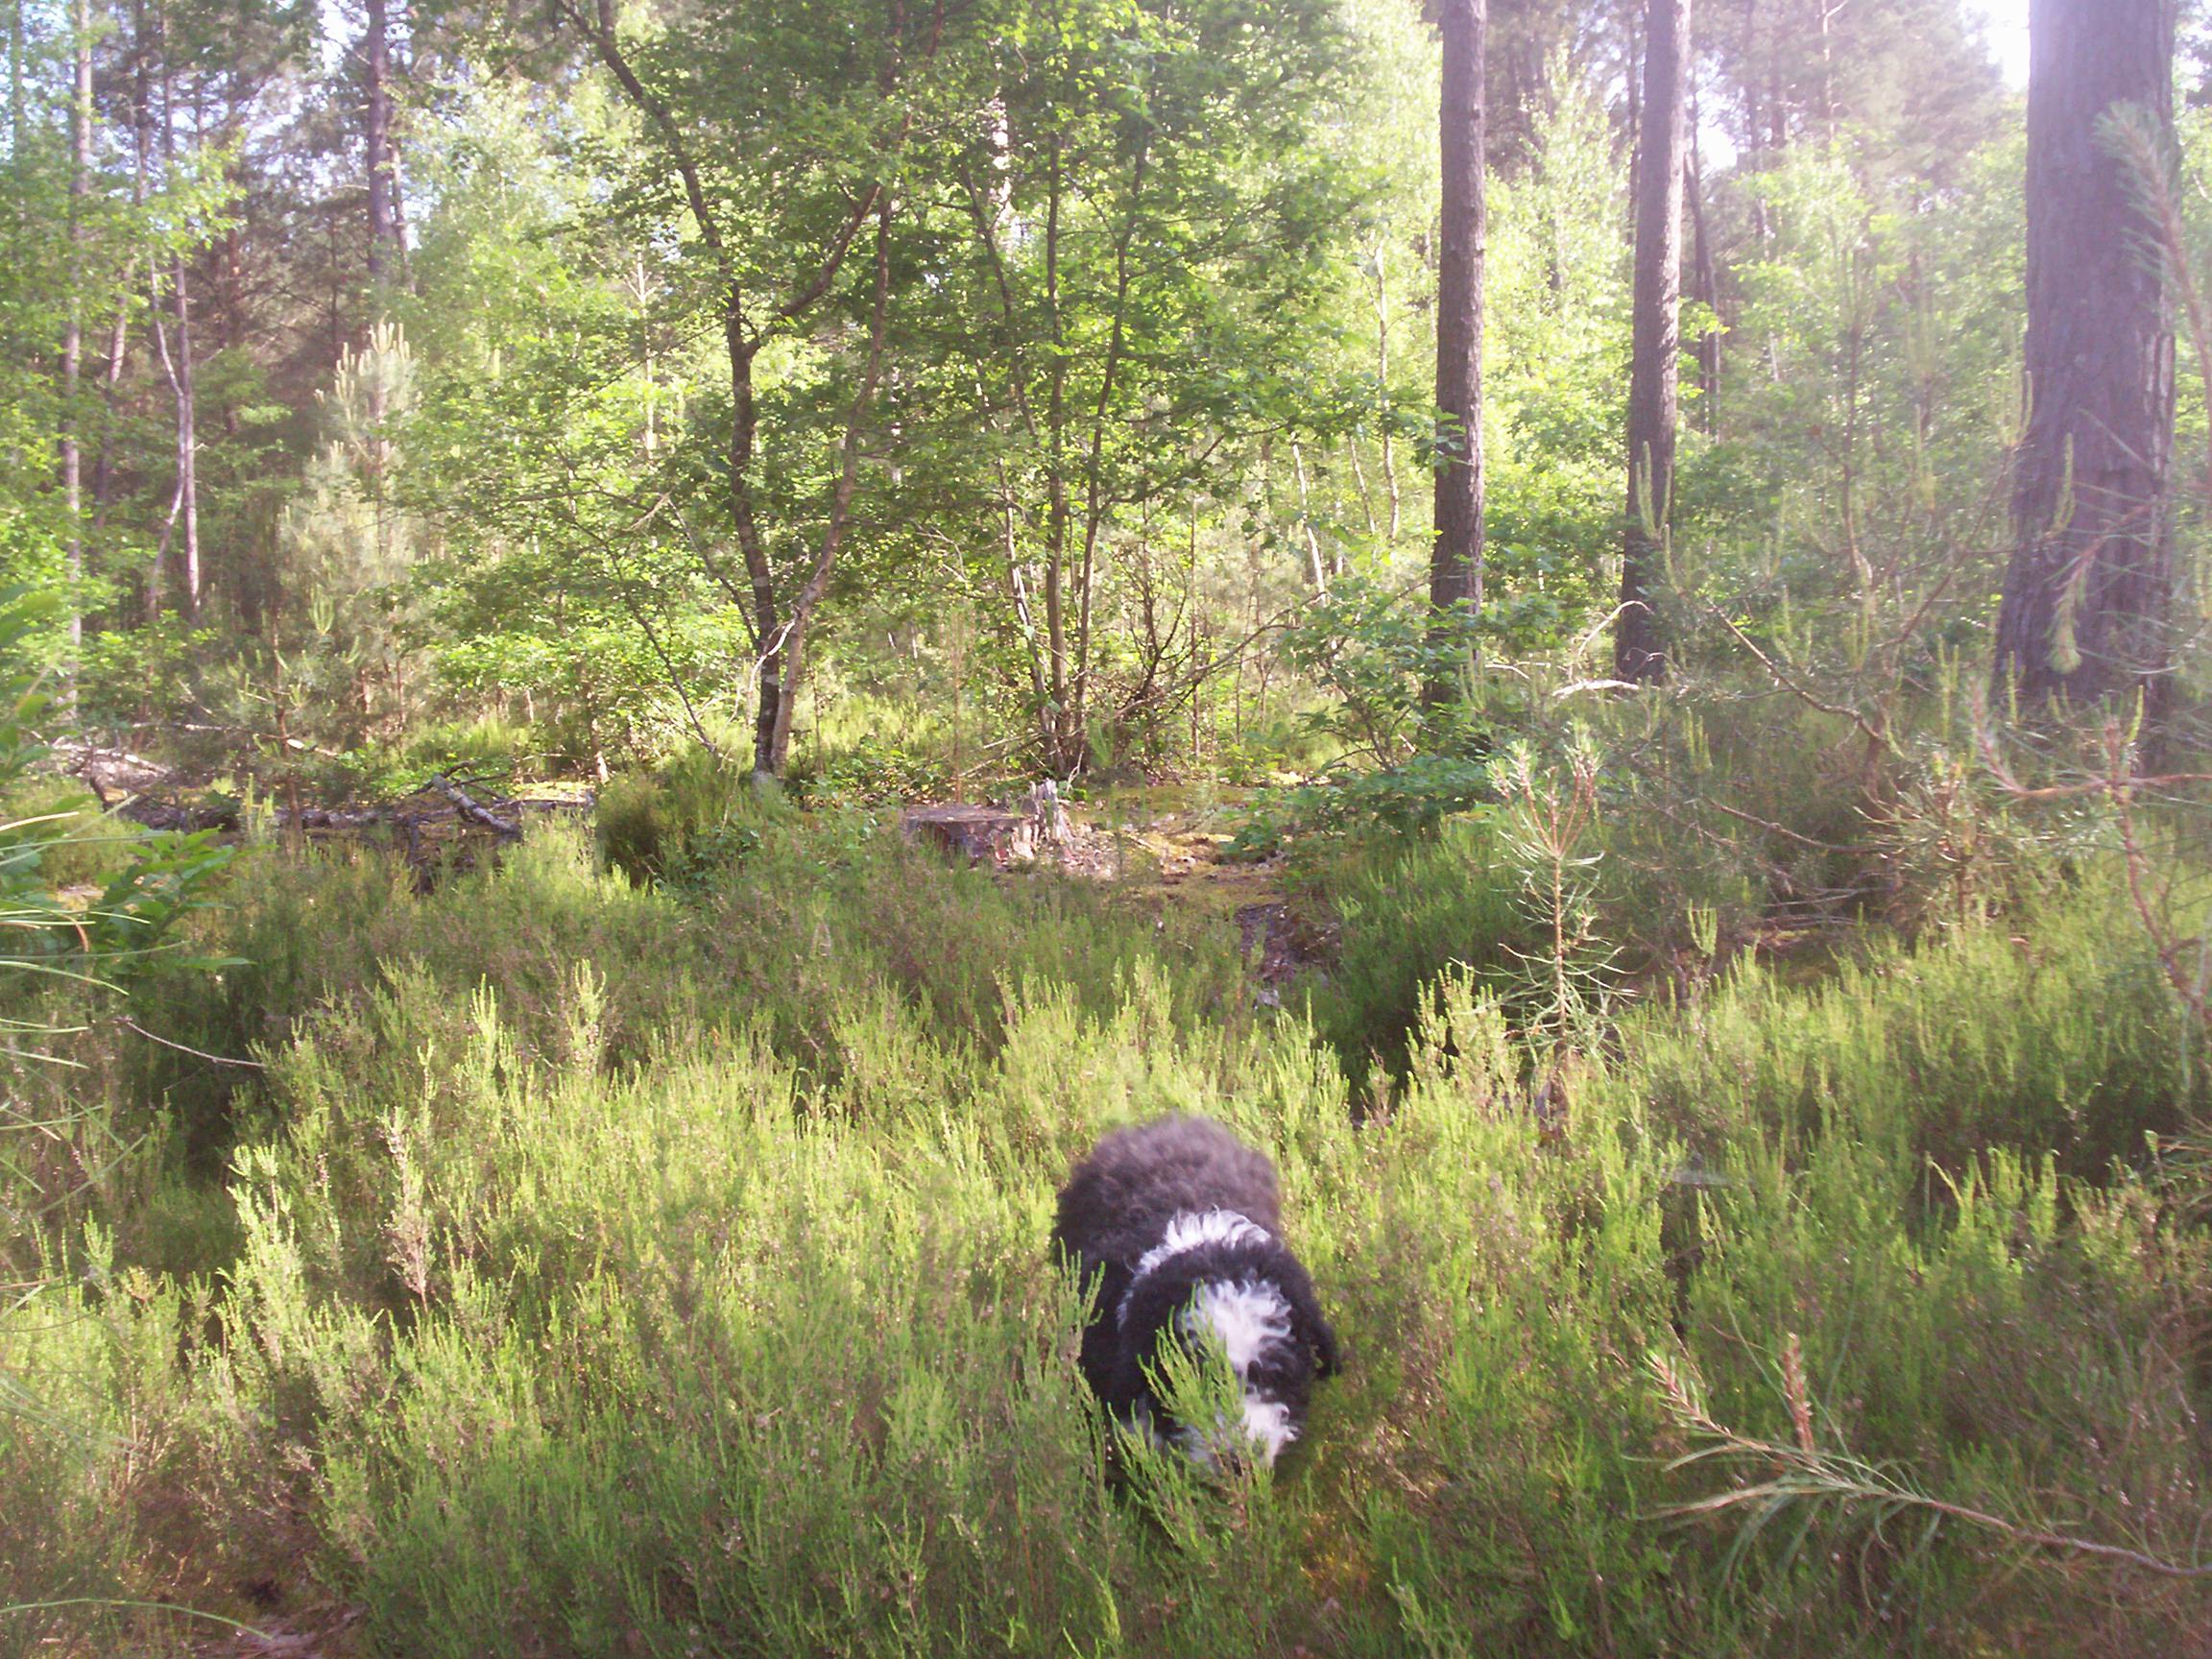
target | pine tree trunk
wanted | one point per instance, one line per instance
(1455, 558)
(2088, 592)
(376, 60)
(1707, 292)
(141, 161)
(1639, 646)
(18, 43)
(187, 496)
(73, 340)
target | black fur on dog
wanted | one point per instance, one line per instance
(1181, 1224)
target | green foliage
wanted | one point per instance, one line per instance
(78, 849)
(146, 883)
(699, 813)
(1411, 914)
(871, 773)
(1417, 795)
(1373, 652)
(2047, 1040)
(599, 1257)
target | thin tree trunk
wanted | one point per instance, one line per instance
(1754, 123)
(1382, 386)
(1639, 647)
(1059, 738)
(840, 503)
(1455, 558)
(73, 338)
(141, 161)
(18, 42)
(2088, 592)
(187, 499)
(1708, 293)
(110, 384)
(1306, 521)
(119, 335)
(376, 58)
(1093, 504)
(1359, 480)
(778, 640)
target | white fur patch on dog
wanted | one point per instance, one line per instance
(1246, 1315)
(1269, 1424)
(1192, 1229)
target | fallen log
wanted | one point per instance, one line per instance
(471, 810)
(152, 814)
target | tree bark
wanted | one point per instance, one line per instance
(1076, 721)
(1382, 383)
(186, 509)
(18, 43)
(1639, 648)
(376, 69)
(1062, 734)
(1455, 557)
(2088, 592)
(119, 332)
(1707, 291)
(73, 338)
(772, 743)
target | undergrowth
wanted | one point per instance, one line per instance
(598, 1266)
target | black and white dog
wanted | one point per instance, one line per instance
(1182, 1223)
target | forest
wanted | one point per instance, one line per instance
(654, 655)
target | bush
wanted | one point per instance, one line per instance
(81, 847)
(614, 1268)
(633, 820)
(699, 811)
(1407, 912)
(871, 773)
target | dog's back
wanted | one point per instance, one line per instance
(1177, 1226)
(1119, 1200)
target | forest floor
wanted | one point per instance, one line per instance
(1169, 849)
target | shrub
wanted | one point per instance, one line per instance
(620, 1268)
(80, 848)
(871, 773)
(1407, 912)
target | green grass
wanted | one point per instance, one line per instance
(604, 1269)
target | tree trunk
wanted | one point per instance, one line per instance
(772, 743)
(778, 640)
(16, 42)
(119, 332)
(141, 163)
(768, 630)
(1455, 558)
(1076, 723)
(187, 508)
(1382, 383)
(2087, 594)
(1062, 734)
(1639, 650)
(73, 338)
(1707, 292)
(377, 64)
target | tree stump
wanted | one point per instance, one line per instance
(976, 833)
(1001, 835)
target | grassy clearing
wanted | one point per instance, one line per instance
(604, 1268)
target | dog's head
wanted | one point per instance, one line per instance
(1217, 1280)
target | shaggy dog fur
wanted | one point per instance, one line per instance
(1181, 1224)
